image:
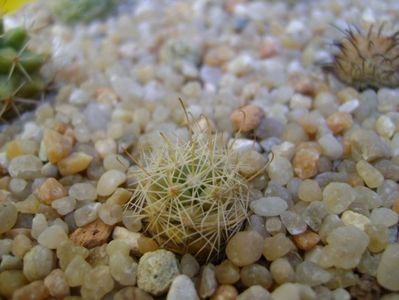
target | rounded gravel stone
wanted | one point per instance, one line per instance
(245, 248)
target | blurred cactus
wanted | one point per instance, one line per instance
(19, 72)
(85, 11)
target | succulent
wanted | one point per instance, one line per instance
(190, 195)
(81, 11)
(367, 59)
(19, 72)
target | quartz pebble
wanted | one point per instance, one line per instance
(207, 282)
(339, 122)
(256, 274)
(337, 197)
(189, 265)
(156, 271)
(225, 292)
(8, 216)
(56, 284)
(244, 248)
(21, 244)
(280, 170)
(74, 163)
(311, 274)
(109, 181)
(277, 246)
(97, 283)
(51, 190)
(371, 176)
(64, 205)
(10, 281)
(352, 218)
(57, 145)
(25, 167)
(282, 271)
(269, 206)
(254, 292)
(182, 288)
(247, 118)
(309, 190)
(34, 290)
(131, 293)
(306, 241)
(379, 237)
(227, 272)
(388, 269)
(38, 263)
(52, 236)
(384, 216)
(83, 191)
(305, 161)
(293, 222)
(76, 271)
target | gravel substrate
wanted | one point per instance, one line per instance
(323, 214)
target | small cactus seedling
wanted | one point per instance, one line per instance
(368, 59)
(190, 195)
(19, 72)
(81, 11)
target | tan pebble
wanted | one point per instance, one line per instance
(10, 281)
(255, 292)
(21, 147)
(306, 241)
(247, 118)
(277, 246)
(56, 284)
(121, 196)
(58, 146)
(92, 235)
(310, 125)
(35, 290)
(395, 206)
(51, 190)
(146, 244)
(245, 248)
(339, 121)
(225, 292)
(109, 181)
(230, 5)
(306, 159)
(217, 57)
(371, 176)
(74, 163)
(303, 85)
(105, 147)
(268, 48)
(227, 272)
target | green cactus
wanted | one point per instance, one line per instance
(191, 196)
(81, 11)
(19, 72)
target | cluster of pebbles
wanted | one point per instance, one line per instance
(324, 219)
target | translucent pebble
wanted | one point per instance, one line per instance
(309, 190)
(64, 206)
(8, 216)
(38, 263)
(67, 250)
(228, 292)
(10, 262)
(314, 214)
(123, 268)
(282, 271)
(311, 274)
(293, 222)
(39, 223)
(10, 281)
(293, 291)
(5, 246)
(97, 283)
(379, 237)
(244, 248)
(280, 170)
(339, 121)
(34, 290)
(25, 167)
(116, 162)
(207, 282)
(353, 218)
(56, 284)
(131, 293)
(254, 292)
(50, 190)
(109, 181)
(83, 191)
(189, 265)
(76, 271)
(182, 287)
(268, 206)
(20, 245)
(227, 272)
(371, 176)
(274, 225)
(330, 146)
(306, 241)
(337, 197)
(132, 222)
(52, 236)
(385, 127)
(256, 274)
(277, 246)
(86, 214)
(330, 222)
(367, 196)
(388, 269)
(384, 216)
(105, 147)
(74, 163)
(110, 213)
(367, 144)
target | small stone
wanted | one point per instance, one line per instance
(227, 272)
(123, 268)
(83, 191)
(181, 288)
(39, 223)
(339, 121)
(366, 144)
(385, 127)
(306, 159)
(67, 250)
(384, 216)
(309, 190)
(25, 167)
(282, 271)
(274, 225)
(64, 206)
(35, 290)
(21, 244)
(330, 146)
(189, 265)
(57, 145)
(366, 289)
(314, 214)
(255, 292)
(10, 281)
(116, 162)
(250, 163)
(293, 222)
(388, 269)
(109, 181)
(105, 147)
(244, 248)
(293, 291)
(207, 281)
(131, 293)
(338, 196)
(256, 274)
(353, 218)
(306, 241)
(38, 263)
(56, 284)
(156, 271)
(76, 271)
(51, 190)
(225, 292)
(52, 236)
(268, 206)
(379, 237)
(21, 147)
(371, 176)
(97, 283)
(74, 163)
(339, 252)
(280, 170)
(367, 196)
(146, 244)
(110, 213)
(92, 235)
(311, 274)
(277, 246)
(8, 216)
(247, 118)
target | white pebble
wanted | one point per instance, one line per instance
(268, 206)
